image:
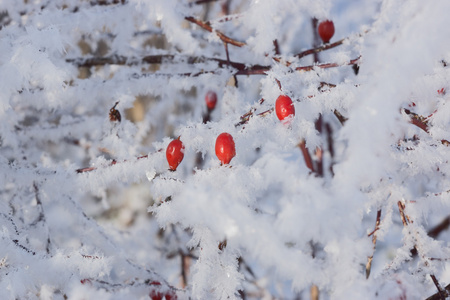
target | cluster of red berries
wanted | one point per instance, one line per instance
(225, 147)
(225, 150)
(155, 294)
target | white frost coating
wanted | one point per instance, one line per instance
(92, 201)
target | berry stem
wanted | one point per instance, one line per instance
(306, 155)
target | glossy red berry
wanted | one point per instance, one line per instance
(211, 100)
(284, 107)
(155, 295)
(326, 30)
(175, 153)
(225, 148)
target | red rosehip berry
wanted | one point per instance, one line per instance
(155, 294)
(225, 148)
(175, 153)
(326, 30)
(284, 107)
(211, 100)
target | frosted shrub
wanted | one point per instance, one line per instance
(348, 198)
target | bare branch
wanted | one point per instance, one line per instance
(206, 26)
(441, 292)
(328, 65)
(320, 48)
(435, 231)
(374, 242)
(306, 155)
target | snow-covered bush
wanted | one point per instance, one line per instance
(349, 199)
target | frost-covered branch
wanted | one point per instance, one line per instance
(206, 26)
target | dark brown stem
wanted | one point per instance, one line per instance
(306, 155)
(106, 2)
(314, 22)
(374, 242)
(202, 2)
(227, 53)
(437, 296)
(319, 151)
(441, 292)
(403, 216)
(320, 49)
(185, 263)
(113, 162)
(330, 140)
(417, 120)
(435, 231)
(422, 123)
(328, 65)
(276, 47)
(340, 117)
(279, 83)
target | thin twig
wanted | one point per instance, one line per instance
(113, 162)
(306, 155)
(403, 216)
(437, 296)
(442, 293)
(328, 65)
(340, 117)
(276, 47)
(374, 242)
(320, 48)
(202, 2)
(435, 231)
(207, 26)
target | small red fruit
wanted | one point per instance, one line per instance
(175, 153)
(284, 107)
(326, 30)
(225, 148)
(211, 100)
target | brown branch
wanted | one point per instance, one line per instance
(340, 117)
(437, 296)
(441, 292)
(206, 26)
(320, 49)
(106, 2)
(374, 242)
(306, 155)
(202, 2)
(185, 264)
(417, 120)
(328, 65)
(422, 123)
(227, 53)
(403, 216)
(248, 115)
(242, 68)
(113, 162)
(435, 231)
(276, 47)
